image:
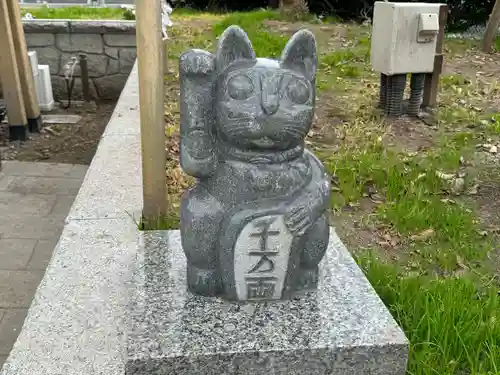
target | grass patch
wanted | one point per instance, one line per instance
(265, 44)
(452, 323)
(75, 13)
(412, 195)
(496, 44)
(168, 222)
(186, 12)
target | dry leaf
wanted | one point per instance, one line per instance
(385, 244)
(460, 263)
(473, 190)
(448, 201)
(458, 186)
(376, 198)
(423, 236)
(445, 176)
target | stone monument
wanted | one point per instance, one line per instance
(255, 282)
(254, 226)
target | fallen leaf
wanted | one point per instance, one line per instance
(458, 186)
(423, 236)
(376, 198)
(473, 190)
(460, 262)
(445, 176)
(385, 244)
(448, 201)
(420, 176)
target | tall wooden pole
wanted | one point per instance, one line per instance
(492, 28)
(165, 56)
(431, 83)
(151, 99)
(9, 74)
(24, 66)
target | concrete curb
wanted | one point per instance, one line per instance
(76, 321)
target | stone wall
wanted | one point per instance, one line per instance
(110, 47)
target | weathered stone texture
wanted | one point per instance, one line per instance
(89, 43)
(109, 45)
(96, 64)
(48, 56)
(113, 67)
(40, 40)
(109, 87)
(111, 52)
(127, 59)
(61, 92)
(119, 40)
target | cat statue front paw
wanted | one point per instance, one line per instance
(197, 62)
(299, 219)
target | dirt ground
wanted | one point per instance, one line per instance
(61, 143)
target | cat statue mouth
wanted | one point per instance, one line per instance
(263, 142)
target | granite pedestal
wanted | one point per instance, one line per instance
(342, 328)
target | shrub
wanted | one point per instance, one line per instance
(463, 13)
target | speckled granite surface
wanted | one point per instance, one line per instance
(343, 328)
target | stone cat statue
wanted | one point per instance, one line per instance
(254, 227)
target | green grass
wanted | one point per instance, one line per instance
(412, 199)
(265, 44)
(170, 221)
(496, 44)
(453, 324)
(75, 13)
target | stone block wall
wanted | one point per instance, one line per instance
(110, 47)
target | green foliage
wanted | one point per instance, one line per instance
(462, 13)
(170, 221)
(74, 13)
(128, 15)
(265, 43)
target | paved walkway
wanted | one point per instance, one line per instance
(35, 198)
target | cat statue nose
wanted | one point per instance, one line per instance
(271, 104)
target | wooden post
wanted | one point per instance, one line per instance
(24, 66)
(492, 28)
(165, 56)
(431, 84)
(151, 98)
(9, 74)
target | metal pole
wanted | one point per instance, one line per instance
(84, 77)
(397, 85)
(416, 93)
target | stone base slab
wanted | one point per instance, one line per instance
(343, 328)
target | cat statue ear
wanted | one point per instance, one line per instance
(233, 45)
(300, 54)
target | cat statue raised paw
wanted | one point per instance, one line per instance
(255, 226)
